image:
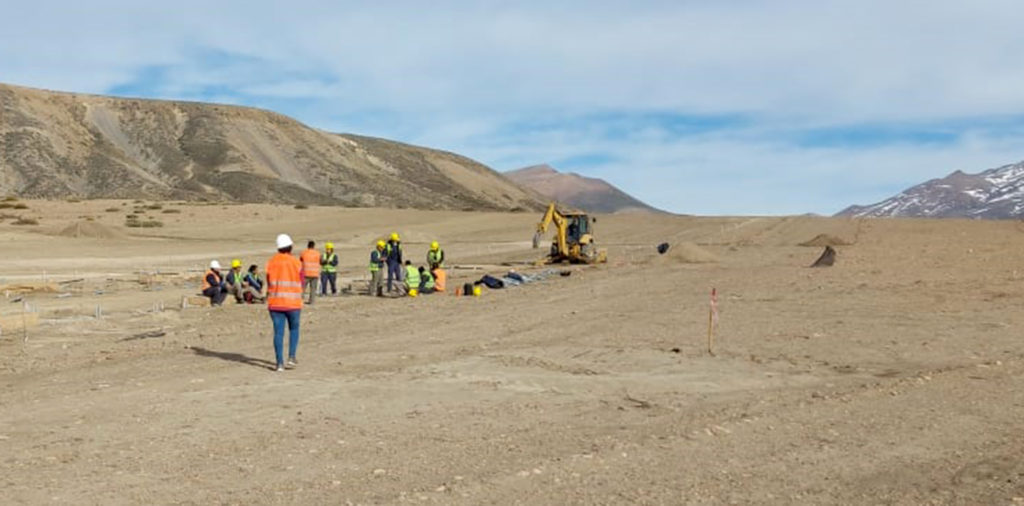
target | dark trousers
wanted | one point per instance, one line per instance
(216, 295)
(328, 277)
(394, 273)
(292, 319)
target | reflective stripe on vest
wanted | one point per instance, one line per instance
(311, 263)
(327, 259)
(206, 284)
(412, 277)
(284, 287)
(435, 257)
(428, 280)
(375, 266)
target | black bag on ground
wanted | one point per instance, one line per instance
(492, 282)
(467, 289)
(663, 248)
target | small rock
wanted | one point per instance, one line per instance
(378, 472)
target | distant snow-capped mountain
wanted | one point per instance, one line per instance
(993, 194)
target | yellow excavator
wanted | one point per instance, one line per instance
(574, 237)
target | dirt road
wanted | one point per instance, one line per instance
(895, 377)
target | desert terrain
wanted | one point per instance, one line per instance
(894, 377)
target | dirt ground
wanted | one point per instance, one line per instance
(894, 377)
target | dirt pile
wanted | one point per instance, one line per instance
(91, 230)
(685, 253)
(822, 240)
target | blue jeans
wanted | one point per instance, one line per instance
(279, 318)
(394, 272)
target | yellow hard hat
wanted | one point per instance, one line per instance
(477, 291)
(381, 243)
(236, 263)
(414, 292)
(394, 236)
(329, 245)
(435, 246)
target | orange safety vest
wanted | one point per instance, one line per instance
(206, 284)
(311, 263)
(439, 278)
(284, 283)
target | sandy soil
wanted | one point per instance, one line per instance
(895, 377)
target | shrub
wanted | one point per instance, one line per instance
(10, 198)
(154, 207)
(137, 223)
(301, 206)
(21, 205)
(6, 205)
(25, 221)
(74, 200)
(171, 211)
(111, 209)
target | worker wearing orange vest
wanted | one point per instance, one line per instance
(213, 284)
(284, 299)
(310, 269)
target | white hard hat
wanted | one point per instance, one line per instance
(283, 241)
(214, 264)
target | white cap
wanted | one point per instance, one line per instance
(283, 241)
(214, 264)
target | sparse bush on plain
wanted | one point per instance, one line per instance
(25, 221)
(171, 211)
(6, 205)
(301, 206)
(154, 207)
(74, 200)
(111, 209)
(21, 205)
(10, 198)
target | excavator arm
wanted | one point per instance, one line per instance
(553, 216)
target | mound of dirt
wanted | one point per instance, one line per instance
(686, 253)
(822, 240)
(91, 230)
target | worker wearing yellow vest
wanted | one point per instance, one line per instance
(427, 285)
(213, 284)
(412, 280)
(393, 254)
(284, 299)
(377, 260)
(435, 257)
(234, 282)
(329, 272)
(310, 270)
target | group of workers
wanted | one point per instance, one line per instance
(289, 280)
(320, 272)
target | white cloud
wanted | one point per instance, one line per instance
(456, 74)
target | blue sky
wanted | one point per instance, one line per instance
(703, 107)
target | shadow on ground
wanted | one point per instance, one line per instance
(234, 357)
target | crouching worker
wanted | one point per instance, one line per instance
(426, 281)
(253, 286)
(412, 280)
(233, 281)
(213, 285)
(440, 279)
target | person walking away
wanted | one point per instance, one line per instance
(213, 284)
(426, 281)
(440, 279)
(284, 299)
(310, 269)
(253, 286)
(234, 281)
(376, 264)
(412, 280)
(435, 256)
(329, 270)
(393, 252)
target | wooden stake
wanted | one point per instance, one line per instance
(711, 322)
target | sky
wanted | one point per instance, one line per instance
(753, 107)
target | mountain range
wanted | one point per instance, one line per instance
(61, 145)
(994, 194)
(586, 193)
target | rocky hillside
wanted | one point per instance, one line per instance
(995, 193)
(590, 194)
(57, 145)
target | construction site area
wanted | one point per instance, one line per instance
(894, 376)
